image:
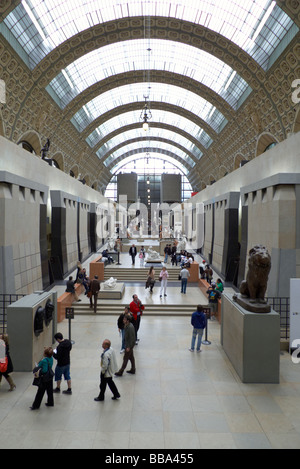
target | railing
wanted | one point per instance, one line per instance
(282, 306)
(5, 301)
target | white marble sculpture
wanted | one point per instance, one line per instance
(152, 255)
(110, 284)
(111, 244)
(181, 246)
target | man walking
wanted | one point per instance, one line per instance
(133, 253)
(129, 338)
(198, 321)
(108, 367)
(94, 289)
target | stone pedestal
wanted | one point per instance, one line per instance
(251, 341)
(112, 293)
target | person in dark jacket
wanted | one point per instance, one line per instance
(129, 346)
(121, 327)
(62, 355)
(198, 321)
(10, 367)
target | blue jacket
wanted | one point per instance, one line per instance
(198, 320)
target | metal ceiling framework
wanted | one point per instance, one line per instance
(195, 83)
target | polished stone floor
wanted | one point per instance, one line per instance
(176, 399)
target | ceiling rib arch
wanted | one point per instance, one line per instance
(140, 150)
(137, 106)
(154, 125)
(145, 139)
(157, 76)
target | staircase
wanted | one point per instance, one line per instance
(133, 274)
(150, 310)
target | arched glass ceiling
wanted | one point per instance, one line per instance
(141, 162)
(166, 134)
(144, 148)
(160, 92)
(132, 55)
(257, 26)
(164, 117)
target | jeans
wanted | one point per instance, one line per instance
(196, 332)
(183, 285)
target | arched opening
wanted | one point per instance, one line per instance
(265, 142)
(31, 142)
(239, 161)
(296, 127)
(58, 161)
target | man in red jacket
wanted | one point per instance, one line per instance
(136, 307)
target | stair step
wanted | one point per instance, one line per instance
(182, 310)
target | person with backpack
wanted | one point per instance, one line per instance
(6, 365)
(213, 297)
(198, 321)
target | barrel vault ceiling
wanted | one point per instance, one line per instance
(216, 76)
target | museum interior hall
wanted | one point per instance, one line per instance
(139, 137)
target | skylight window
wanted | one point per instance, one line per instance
(163, 117)
(56, 21)
(166, 55)
(159, 93)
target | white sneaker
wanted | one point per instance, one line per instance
(122, 351)
(191, 350)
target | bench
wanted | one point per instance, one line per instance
(97, 268)
(204, 286)
(66, 301)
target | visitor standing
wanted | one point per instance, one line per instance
(7, 362)
(62, 369)
(163, 276)
(184, 275)
(213, 298)
(198, 321)
(136, 307)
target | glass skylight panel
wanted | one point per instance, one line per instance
(166, 55)
(164, 117)
(159, 93)
(56, 21)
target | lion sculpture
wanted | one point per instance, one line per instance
(259, 265)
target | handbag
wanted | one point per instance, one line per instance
(3, 365)
(89, 294)
(46, 377)
(179, 277)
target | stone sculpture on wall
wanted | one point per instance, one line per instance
(254, 288)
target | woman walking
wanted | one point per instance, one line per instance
(45, 381)
(151, 279)
(163, 276)
(9, 367)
